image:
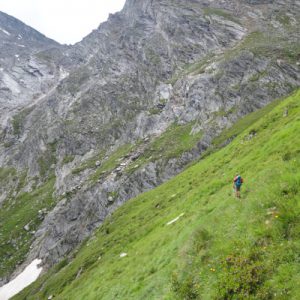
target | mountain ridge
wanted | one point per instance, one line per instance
(14, 26)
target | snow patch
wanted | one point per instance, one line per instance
(176, 219)
(6, 32)
(28, 276)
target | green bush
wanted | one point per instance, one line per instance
(186, 289)
(67, 159)
(242, 277)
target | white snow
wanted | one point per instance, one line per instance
(28, 276)
(6, 32)
(176, 219)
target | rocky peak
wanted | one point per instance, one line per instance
(17, 36)
(26, 74)
(135, 5)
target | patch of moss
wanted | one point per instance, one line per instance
(283, 19)
(112, 162)
(152, 56)
(222, 13)
(8, 144)
(90, 163)
(266, 44)
(67, 159)
(18, 120)
(154, 111)
(257, 76)
(47, 160)
(5, 173)
(195, 68)
(176, 140)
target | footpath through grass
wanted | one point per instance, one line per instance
(221, 248)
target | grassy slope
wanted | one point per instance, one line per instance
(221, 248)
(15, 213)
(175, 141)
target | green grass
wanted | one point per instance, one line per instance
(195, 68)
(257, 76)
(268, 44)
(47, 160)
(107, 165)
(284, 19)
(5, 174)
(112, 162)
(154, 111)
(12, 181)
(220, 12)
(67, 159)
(221, 248)
(15, 213)
(176, 140)
(89, 163)
(18, 120)
(7, 179)
(243, 123)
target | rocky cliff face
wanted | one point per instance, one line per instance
(24, 76)
(100, 118)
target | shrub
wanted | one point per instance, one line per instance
(243, 277)
(185, 289)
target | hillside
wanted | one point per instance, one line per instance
(85, 128)
(220, 247)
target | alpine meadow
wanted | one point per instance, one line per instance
(158, 158)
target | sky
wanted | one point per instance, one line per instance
(65, 21)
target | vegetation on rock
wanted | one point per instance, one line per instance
(221, 248)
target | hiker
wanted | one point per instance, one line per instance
(237, 184)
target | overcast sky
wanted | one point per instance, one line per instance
(66, 21)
